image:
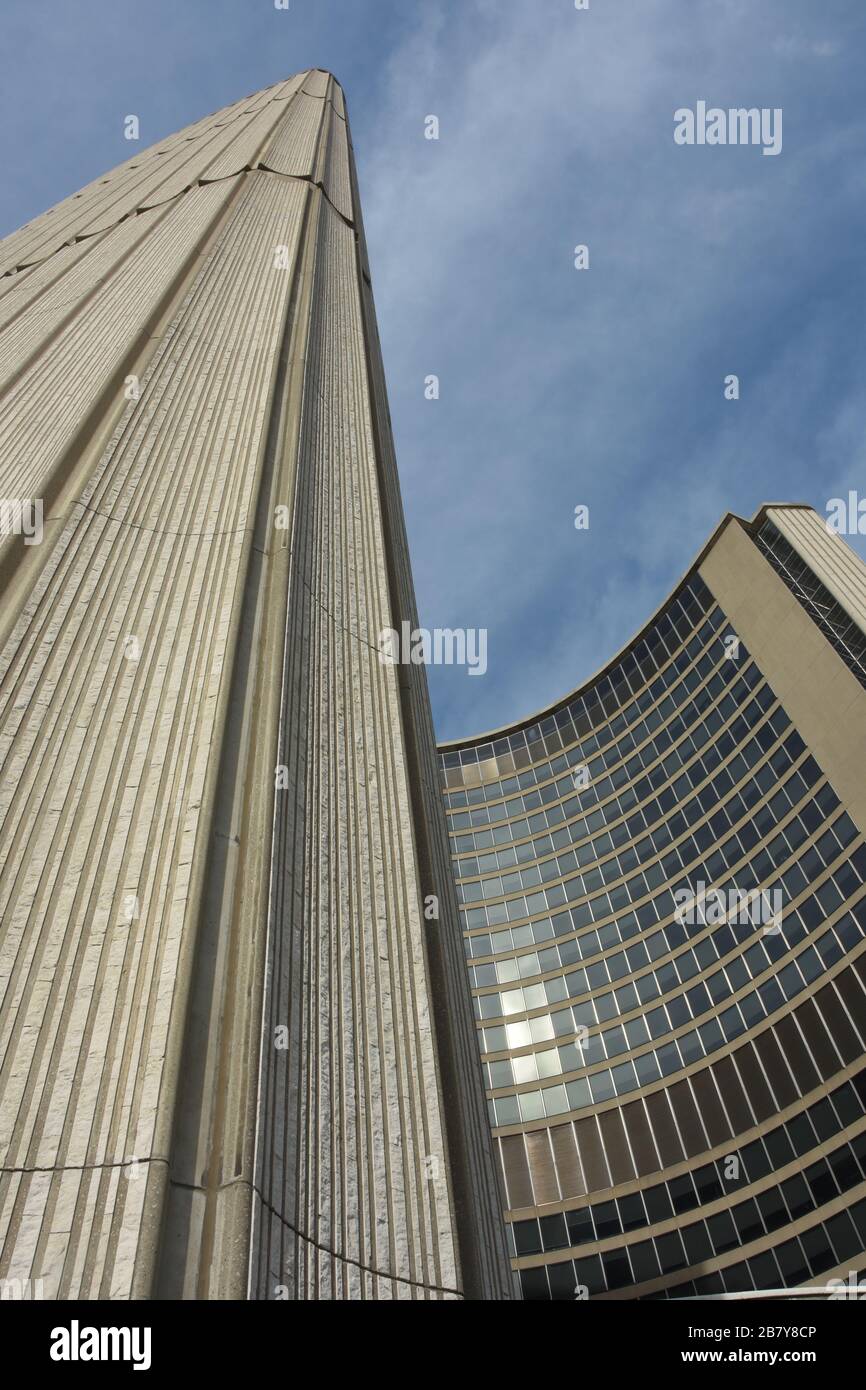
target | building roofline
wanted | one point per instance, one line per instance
(504, 730)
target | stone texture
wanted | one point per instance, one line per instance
(164, 909)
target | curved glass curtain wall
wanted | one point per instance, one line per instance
(637, 1063)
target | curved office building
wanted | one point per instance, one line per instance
(663, 885)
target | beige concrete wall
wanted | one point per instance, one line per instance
(164, 908)
(823, 698)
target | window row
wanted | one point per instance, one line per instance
(598, 869)
(564, 796)
(615, 837)
(835, 1241)
(701, 998)
(763, 1075)
(567, 953)
(654, 811)
(742, 900)
(679, 1009)
(675, 1054)
(793, 1198)
(748, 759)
(610, 746)
(606, 698)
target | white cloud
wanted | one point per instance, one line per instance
(603, 386)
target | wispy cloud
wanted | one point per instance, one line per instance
(558, 386)
(604, 386)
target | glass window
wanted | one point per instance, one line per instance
(617, 1269)
(500, 1074)
(690, 1047)
(678, 1011)
(578, 1093)
(824, 1120)
(601, 1085)
(533, 1283)
(637, 1032)
(527, 1239)
(670, 1252)
(658, 1203)
(846, 1104)
(588, 1274)
(747, 1221)
(668, 1058)
(606, 1220)
(697, 1243)
(507, 1110)
(779, 1147)
(647, 1068)
(562, 1281)
(772, 1209)
(683, 1193)
(818, 1250)
(707, 1183)
(554, 1234)
(845, 1241)
(531, 1106)
(644, 1261)
(580, 1229)
(844, 1168)
(722, 1232)
(711, 1035)
(797, 1196)
(821, 1182)
(631, 1211)
(752, 1009)
(624, 1078)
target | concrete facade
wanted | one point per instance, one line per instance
(237, 1056)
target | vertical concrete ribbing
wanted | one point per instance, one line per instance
(133, 1048)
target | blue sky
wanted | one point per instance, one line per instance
(558, 387)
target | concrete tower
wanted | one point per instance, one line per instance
(237, 1055)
